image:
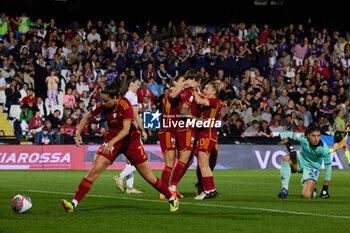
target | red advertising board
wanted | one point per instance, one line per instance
(36, 157)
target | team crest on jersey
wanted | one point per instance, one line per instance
(192, 140)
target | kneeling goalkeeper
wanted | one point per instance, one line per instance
(308, 161)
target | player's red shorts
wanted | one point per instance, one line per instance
(167, 141)
(133, 150)
(186, 140)
(208, 146)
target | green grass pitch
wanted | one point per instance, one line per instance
(247, 202)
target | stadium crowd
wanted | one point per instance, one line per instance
(273, 78)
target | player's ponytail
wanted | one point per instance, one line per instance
(217, 85)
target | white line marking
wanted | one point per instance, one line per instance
(202, 204)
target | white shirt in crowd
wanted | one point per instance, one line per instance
(2, 92)
(132, 97)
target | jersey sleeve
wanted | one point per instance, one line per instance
(95, 110)
(127, 112)
(187, 98)
(327, 163)
(300, 137)
(213, 102)
(133, 100)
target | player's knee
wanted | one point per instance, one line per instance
(93, 174)
(307, 195)
(151, 179)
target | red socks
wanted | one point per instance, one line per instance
(178, 173)
(208, 183)
(83, 189)
(162, 188)
(166, 174)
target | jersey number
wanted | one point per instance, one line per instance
(313, 173)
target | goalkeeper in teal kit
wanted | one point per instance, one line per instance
(308, 161)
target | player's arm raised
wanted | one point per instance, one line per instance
(177, 90)
(83, 123)
(201, 101)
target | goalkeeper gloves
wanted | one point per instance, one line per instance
(324, 193)
(292, 151)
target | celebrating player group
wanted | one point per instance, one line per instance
(188, 128)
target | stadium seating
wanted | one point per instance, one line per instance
(15, 111)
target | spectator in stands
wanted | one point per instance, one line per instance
(39, 105)
(81, 86)
(299, 127)
(29, 99)
(264, 129)
(67, 129)
(112, 73)
(3, 87)
(254, 117)
(253, 130)
(12, 94)
(143, 91)
(324, 109)
(25, 116)
(149, 72)
(36, 123)
(96, 129)
(305, 115)
(44, 137)
(7, 71)
(284, 98)
(72, 82)
(52, 87)
(154, 87)
(287, 123)
(94, 36)
(67, 112)
(162, 74)
(277, 67)
(55, 120)
(23, 91)
(69, 99)
(300, 50)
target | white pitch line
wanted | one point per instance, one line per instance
(201, 204)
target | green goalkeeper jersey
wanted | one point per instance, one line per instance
(312, 155)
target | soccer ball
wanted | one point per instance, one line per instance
(21, 204)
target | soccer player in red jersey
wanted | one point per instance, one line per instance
(207, 146)
(122, 137)
(167, 132)
(186, 134)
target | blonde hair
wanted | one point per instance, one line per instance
(217, 85)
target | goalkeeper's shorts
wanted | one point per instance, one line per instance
(310, 171)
